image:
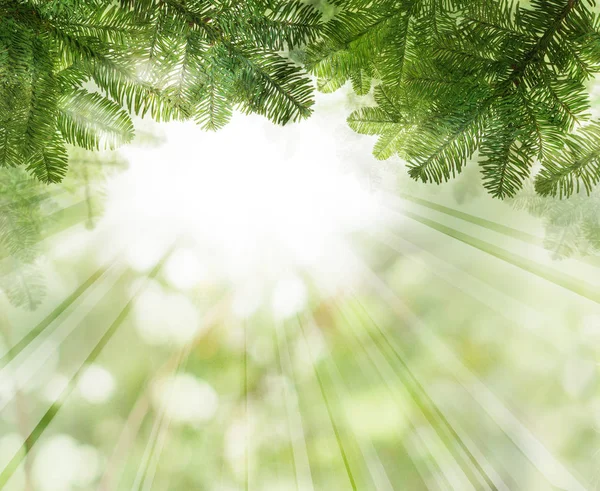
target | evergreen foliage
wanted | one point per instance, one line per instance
(87, 174)
(21, 219)
(503, 80)
(72, 71)
(572, 227)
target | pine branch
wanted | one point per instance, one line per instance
(575, 168)
(507, 154)
(493, 77)
(498, 79)
(171, 59)
(23, 285)
(93, 122)
(49, 165)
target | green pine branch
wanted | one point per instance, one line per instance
(503, 80)
(575, 168)
(171, 59)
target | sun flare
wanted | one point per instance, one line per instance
(261, 209)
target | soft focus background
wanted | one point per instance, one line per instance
(272, 309)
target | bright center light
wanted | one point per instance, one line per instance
(252, 199)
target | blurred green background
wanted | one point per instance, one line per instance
(177, 323)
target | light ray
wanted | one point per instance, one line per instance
(376, 358)
(158, 436)
(434, 414)
(32, 358)
(508, 307)
(575, 285)
(304, 480)
(349, 473)
(126, 439)
(56, 223)
(149, 464)
(551, 468)
(65, 218)
(482, 222)
(41, 196)
(139, 411)
(55, 314)
(428, 407)
(49, 415)
(414, 393)
(488, 224)
(369, 455)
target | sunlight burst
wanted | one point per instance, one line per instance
(262, 207)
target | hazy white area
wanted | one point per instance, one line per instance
(252, 203)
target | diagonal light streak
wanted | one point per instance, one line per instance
(445, 476)
(382, 367)
(369, 455)
(55, 314)
(522, 244)
(417, 395)
(139, 411)
(37, 197)
(157, 439)
(302, 470)
(475, 220)
(499, 302)
(149, 464)
(448, 432)
(65, 218)
(489, 225)
(422, 439)
(568, 282)
(49, 415)
(551, 468)
(349, 473)
(57, 222)
(29, 361)
(511, 309)
(126, 438)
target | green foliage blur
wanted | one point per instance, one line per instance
(442, 366)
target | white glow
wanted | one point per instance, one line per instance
(289, 297)
(183, 269)
(96, 384)
(248, 202)
(166, 317)
(186, 399)
(62, 463)
(247, 300)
